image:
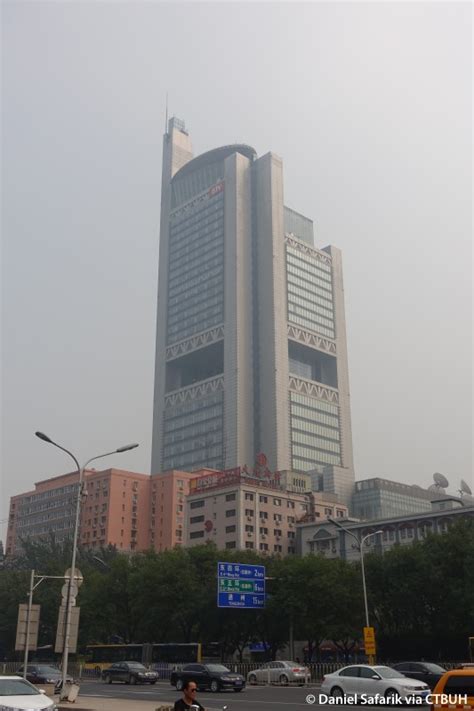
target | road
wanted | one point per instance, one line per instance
(253, 698)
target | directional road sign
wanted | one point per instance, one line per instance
(240, 585)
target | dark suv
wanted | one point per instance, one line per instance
(215, 677)
(423, 671)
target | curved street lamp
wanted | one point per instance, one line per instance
(80, 471)
(360, 547)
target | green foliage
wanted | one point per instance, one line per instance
(421, 597)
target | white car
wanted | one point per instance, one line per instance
(283, 673)
(18, 694)
(361, 681)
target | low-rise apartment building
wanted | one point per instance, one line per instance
(132, 511)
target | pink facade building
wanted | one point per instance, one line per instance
(132, 511)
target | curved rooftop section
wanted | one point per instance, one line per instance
(214, 156)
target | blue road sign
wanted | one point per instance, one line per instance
(240, 585)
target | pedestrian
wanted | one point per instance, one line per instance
(189, 698)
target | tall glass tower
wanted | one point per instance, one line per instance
(251, 349)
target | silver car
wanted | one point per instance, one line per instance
(380, 683)
(283, 673)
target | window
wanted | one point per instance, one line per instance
(277, 502)
(249, 512)
(263, 499)
(230, 529)
(263, 514)
(291, 534)
(231, 544)
(197, 504)
(263, 530)
(249, 528)
(248, 496)
(196, 534)
(350, 671)
(196, 519)
(248, 544)
(230, 497)
(290, 504)
(277, 518)
(230, 513)
(277, 531)
(277, 548)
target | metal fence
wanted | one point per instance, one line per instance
(317, 671)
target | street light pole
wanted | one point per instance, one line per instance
(72, 578)
(360, 547)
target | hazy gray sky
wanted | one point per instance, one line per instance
(368, 104)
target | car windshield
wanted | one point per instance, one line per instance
(388, 673)
(47, 670)
(17, 687)
(217, 668)
(136, 666)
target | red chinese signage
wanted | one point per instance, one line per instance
(217, 188)
(258, 476)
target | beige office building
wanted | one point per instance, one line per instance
(251, 340)
(238, 509)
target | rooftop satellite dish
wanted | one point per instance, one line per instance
(465, 488)
(433, 487)
(440, 480)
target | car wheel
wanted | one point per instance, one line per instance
(336, 691)
(108, 679)
(237, 691)
(179, 685)
(153, 683)
(283, 680)
(252, 678)
(391, 693)
(214, 686)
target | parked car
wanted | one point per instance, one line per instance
(215, 677)
(373, 682)
(423, 671)
(43, 674)
(280, 673)
(130, 673)
(455, 682)
(17, 694)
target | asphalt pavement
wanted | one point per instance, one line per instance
(97, 696)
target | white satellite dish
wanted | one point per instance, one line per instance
(465, 488)
(440, 480)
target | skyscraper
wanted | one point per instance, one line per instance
(251, 341)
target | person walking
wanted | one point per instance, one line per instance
(189, 698)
